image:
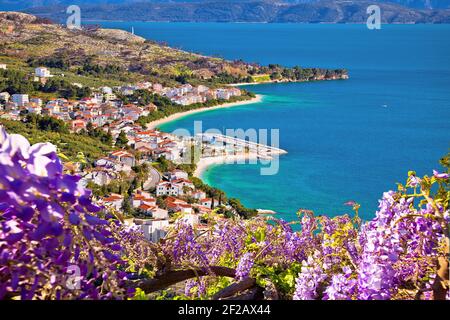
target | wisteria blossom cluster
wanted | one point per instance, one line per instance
(55, 243)
(397, 255)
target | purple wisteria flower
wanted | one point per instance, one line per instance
(244, 266)
(49, 226)
(309, 279)
(440, 175)
(340, 288)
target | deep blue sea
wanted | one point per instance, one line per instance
(347, 140)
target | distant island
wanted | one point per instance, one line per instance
(279, 11)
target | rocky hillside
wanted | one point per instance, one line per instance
(37, 41)
(119, 55)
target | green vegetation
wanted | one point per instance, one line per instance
(122, 140)
(13, 81)
(98, 134)
(261, 78)
(46, 129)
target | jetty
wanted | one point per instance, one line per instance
(262, 150)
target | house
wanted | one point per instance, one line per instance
(207, 202)
(157, 87)
(153, 229)
(77, 125)
(143, 198)
(147, 209)
(114, 201)
(177, 187)
(145, 152)
(199, 195)
(106, 90)
(166, 188)
(20, 99)
(169, 154)
(33, 108)
(4, 96)
(123, 157)
(177, 205)
(185, 208)
(154, 211)
(127, 91)
(42, 72)
(177, 174)
(167, 144)
(223, 94)
(184, 183)
(101, 176)
(3, 66)
(202, 210)
(235, 92)
(201, 89)
(211, 95)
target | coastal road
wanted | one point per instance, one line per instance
(153, 179)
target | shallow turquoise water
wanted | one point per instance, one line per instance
(346, 139)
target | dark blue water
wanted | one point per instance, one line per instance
(346, 139)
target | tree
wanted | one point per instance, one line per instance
(122, 140)
(126, 206)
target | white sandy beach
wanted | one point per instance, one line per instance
(157, 123)
(204, 163)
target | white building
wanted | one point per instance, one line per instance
(177, 187)
(153, 229)
(114, 201)
(106, 90)
(202, 89)
(3, 66)
(223, 94)
(167, 189)
(177, 174)
(42, 72)
(143, 198)
(207, 202)
(199, 195)
(4, 96)
(20, 99)
(101, 176)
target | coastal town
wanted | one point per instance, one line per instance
(102, 104)
(164, 194)
(111, 169)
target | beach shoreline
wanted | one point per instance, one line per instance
(176, 116)
(205, 163)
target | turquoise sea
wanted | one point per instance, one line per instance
(347, 140)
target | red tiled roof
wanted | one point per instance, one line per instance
(113, 197)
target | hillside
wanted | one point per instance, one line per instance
(95, 56)
(23, 4)
(36, 42)
(301, 11)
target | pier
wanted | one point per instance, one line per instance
(253, 147)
